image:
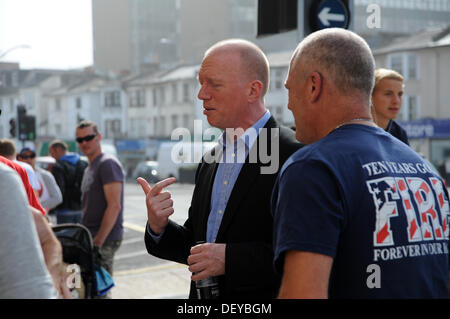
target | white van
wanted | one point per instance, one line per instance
(173, 155)
(109, 148)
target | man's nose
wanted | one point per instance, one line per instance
(202, 93)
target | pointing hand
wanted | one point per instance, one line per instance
(159, 204)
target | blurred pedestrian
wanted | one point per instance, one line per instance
(23, 264)
(50, 195)
(387, 102)
(230, 208)
(10, 152)
(102, 194)
(68, 172)
(357, 213)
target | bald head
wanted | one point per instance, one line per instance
(343, 55)
(253, 61)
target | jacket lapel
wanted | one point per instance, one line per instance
(209, 173)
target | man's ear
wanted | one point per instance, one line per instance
(254, 91)
(316, 83)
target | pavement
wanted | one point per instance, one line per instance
(137, 274)
(163, 280)
(167, 281)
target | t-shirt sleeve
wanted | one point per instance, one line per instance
(111, 171)
(308, 212)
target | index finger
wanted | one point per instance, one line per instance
(158, 187)
(144, 184)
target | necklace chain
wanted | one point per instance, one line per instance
(368, 119)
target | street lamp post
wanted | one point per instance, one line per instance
(21, 46)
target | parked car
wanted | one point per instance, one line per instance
(175, 155)
(147, 170)
(45, 162)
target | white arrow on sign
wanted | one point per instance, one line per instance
(325, 17)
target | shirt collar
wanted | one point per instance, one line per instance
(248, 137)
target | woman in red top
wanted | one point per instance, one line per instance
(32, 198)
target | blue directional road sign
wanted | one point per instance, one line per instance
(332, 14)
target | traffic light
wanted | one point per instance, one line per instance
(21, 118)
(30, 130)
(27, 124)
(12, 127)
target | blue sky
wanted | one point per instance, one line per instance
(58, 32)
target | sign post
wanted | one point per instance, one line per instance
(319, 15)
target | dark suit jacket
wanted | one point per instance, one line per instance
(246, 226)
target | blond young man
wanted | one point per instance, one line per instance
(387, 102)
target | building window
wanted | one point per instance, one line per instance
(186, 121)
(141, 98)
(413, 108)
(162, 98)
(405, 64)
(155, 97)
(175, 123)
(137, 98)
(162, 126)
(412, 67)
(78, 103)
(186, 95)
(278, 79)
(112, 128)
(112, 99)
(396, 63)
(155, 126)
(137, 127)
(133, 99)
(174, 92)
(58, 104)
(410, 110)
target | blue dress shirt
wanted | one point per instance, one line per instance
(233, 157)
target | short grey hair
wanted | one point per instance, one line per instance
(344, 55)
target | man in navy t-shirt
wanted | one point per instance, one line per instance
(357, 213)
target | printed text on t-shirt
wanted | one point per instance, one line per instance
(420, 198)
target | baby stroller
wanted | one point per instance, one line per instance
(78, 248)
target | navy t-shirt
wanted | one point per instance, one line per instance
(370, 202)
